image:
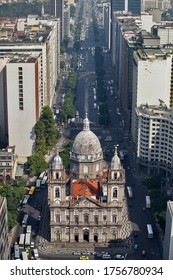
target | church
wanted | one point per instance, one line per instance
(86, 205)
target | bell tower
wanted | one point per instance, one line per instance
(116, 180)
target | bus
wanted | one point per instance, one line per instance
(28, 229)
(25, 201)
(150, 231)
(42, 175)
(25, 219)
(38, 183)
(44, 181)
(148, 201)
(24, 256)
(22, 241)
(27, 240)
(31, 191)
(16, 252)
(121, 155)
(130, 192)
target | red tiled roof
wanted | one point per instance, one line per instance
(84, 187)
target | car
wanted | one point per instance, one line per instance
(143, 253)
(76, 253)
(39, 218)
(84, 258)
(119, 257)
(86, 253)
(94, 253)
(27, 251)
(106, 257)
(32, 244)
(136, 246)
(35, 253)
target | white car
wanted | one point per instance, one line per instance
(32, 244)
(119, 257)
(76, 253)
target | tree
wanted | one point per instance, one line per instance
(50, 132)
(37, 164)
(62, 64)
(66, 41)
(40, 141)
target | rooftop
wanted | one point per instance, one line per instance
(84, 187)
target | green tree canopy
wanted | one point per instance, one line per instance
(50, 131)
(40, 142)
(37, 164)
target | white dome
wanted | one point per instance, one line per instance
(57, 161)
(86, 142)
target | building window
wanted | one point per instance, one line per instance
(96, 220)
(20, 87)
(86, 219)
(57, 193)
(85, 169)
(115, 193)
(114, 219)
(104, 218)
(58, 219)
(67, 218)
(76, 220)
(97, 167)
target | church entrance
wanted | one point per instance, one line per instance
(86, 235)
(76, 238)
(96, 238)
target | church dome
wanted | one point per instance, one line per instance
(57, 161)
(86, 142)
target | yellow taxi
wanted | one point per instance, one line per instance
(84, 258)
(27, 251)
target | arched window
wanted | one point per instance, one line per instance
(57, 193)
(115, 193)
(114, 219)
(96, 220)
(57, 217)
(85, 169)
(86, 219)
(97, 167)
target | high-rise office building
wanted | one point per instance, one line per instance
(57, 10)
(133, 6)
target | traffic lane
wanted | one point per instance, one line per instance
(140, 218)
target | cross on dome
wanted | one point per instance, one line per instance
(86, 123)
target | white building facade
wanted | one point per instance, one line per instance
(151, 79)
(168, 240)
(154, 138)
(23, 77)
(4, 246)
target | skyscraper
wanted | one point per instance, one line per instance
(133, 6)
(57, 10)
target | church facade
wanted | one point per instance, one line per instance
(87, 204)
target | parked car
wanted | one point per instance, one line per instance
(119, 257)
(84, 258)
(76, 253)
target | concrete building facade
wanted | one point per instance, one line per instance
(152, 76)
(8, 163)
(168, 240)
(154, 139)
(4, 246)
